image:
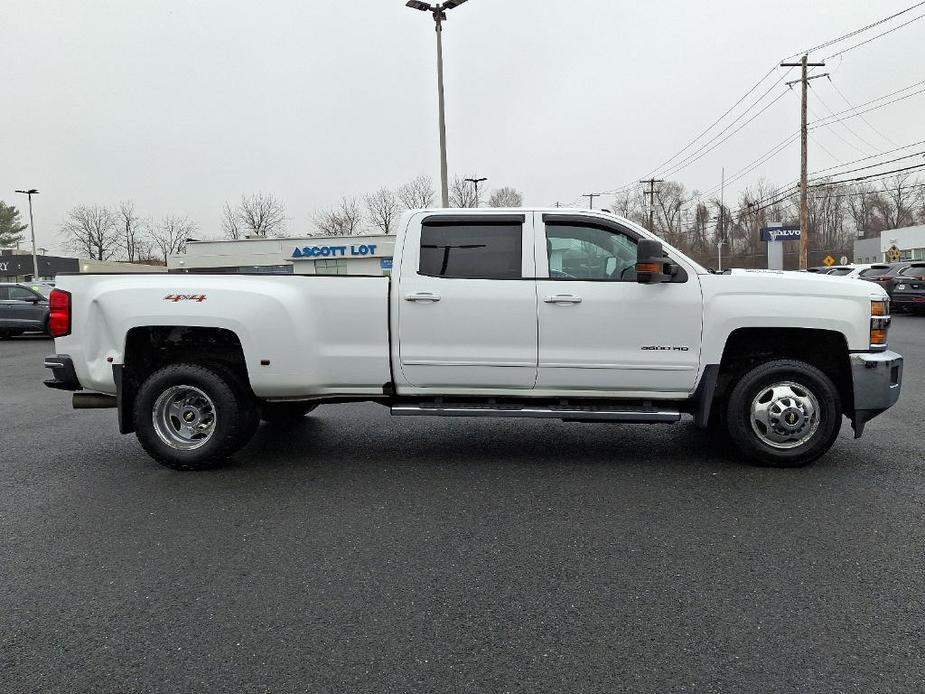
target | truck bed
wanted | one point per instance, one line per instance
(302, 335)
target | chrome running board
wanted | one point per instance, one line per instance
(569, 412)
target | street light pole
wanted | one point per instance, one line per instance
(475, 182)
(439, 13)
(35, 258)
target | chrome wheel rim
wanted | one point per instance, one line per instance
(785, 415)
(184, 417)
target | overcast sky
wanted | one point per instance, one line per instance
(181, 106)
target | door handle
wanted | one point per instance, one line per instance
(423, 296)
(563, 299)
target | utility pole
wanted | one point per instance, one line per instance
(439, 13)
(590, 197)
(722, 218)
(475, 182)
(651, 193)
(35, 259)
(804, 64)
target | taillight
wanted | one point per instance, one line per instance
(59, 313)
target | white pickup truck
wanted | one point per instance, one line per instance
(573, 315)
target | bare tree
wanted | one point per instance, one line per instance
(231, 223)
(343, 220)
(170, 234)
(418, 193)
(382, 208)
(131, 229)
(91, 230)
(896, 204)
(462, 193)
(261, 214)
(506, 197)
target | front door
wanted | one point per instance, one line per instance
(599, 331)
(467, 302)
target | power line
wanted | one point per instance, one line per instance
(855, 112)
(715, 122)
(872, 156)
(872, 148)
(874, 38)
(857, 31)
(881, 174)
(882, 163)
(854, 108)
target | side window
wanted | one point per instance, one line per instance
(21, 294)
(589, 253)
(4, 293)
(471, 251)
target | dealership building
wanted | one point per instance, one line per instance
(314, 255)
(16, 266)
(909, 241)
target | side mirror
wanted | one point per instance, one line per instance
(652, 266)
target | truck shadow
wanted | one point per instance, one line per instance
(320, 441)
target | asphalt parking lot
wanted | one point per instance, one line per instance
(355, 552)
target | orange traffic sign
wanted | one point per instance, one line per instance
(828, 261)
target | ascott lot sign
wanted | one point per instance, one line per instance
(358, 250)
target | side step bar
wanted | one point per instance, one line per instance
(569, 413)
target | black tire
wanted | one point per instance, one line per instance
(285, 411)
(5, 335)
(805, 384)
(230, 408)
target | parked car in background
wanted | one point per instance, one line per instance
(23, 308)
(841, 270)
(908, 290)
(819, 269)
(883, 274)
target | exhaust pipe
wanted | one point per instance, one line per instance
(93, 401)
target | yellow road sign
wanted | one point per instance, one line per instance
(828, 261)
(893, 254)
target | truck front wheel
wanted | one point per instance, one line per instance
(784, 413)
(192, 417)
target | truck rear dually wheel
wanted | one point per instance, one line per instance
(784, 413)
(192, 417)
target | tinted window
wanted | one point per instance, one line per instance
(42, 289)
(840, 271)
(472, 251)
(916, 272)
(21, 294)
(4, 293)
(874, 271)
(589, 253)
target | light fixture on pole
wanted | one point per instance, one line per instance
(439, 13)
(35, 259)
(475, 182)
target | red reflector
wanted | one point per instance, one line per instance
(59, 313)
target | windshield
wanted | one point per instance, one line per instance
(42, 289)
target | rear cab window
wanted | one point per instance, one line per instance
(477, 249)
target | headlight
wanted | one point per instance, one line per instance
(879, 323)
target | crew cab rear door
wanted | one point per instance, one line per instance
(467, 302)
(599, 330)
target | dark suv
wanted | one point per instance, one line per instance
(908, 291)
(23, 307)
(883, 274)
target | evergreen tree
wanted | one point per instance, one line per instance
(11, 226)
